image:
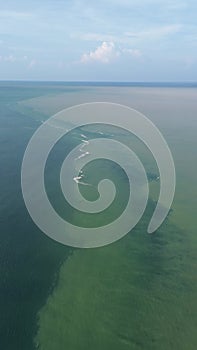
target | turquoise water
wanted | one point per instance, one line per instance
(55, 296)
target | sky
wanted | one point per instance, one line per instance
(102, 40)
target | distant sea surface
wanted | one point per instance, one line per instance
(138, 293)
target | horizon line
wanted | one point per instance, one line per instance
(98, 81)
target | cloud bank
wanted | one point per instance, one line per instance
(103, 53)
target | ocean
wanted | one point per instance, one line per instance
(137, 293)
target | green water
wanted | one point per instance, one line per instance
(138, 293)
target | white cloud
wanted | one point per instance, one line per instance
(133, 52)
(168, 4)
(10, 58)
(32, 64)
(154, 33)
(94, 37)
(15, 15)
(104, 53)
(151, 33)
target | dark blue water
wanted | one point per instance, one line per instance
(28, 260)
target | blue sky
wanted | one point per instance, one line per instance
(112, 40)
